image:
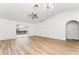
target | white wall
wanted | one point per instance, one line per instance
(8, 29)
(55, 27)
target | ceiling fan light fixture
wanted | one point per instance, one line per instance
(33, 15)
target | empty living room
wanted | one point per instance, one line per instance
(39, 28)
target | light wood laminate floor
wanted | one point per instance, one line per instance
(38, 46)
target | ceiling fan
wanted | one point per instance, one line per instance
(33, 15)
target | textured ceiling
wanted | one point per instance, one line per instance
(20, 11)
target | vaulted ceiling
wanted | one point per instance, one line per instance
(20, 11)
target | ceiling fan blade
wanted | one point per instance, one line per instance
(36, 17)
(35, 14)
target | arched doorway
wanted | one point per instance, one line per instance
(72, 30)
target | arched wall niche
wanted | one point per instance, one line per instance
(72, 30)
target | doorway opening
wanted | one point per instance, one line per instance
(21, 30)
(72, 30)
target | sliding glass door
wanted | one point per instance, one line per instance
(21, 30)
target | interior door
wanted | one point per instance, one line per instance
(73, 30)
